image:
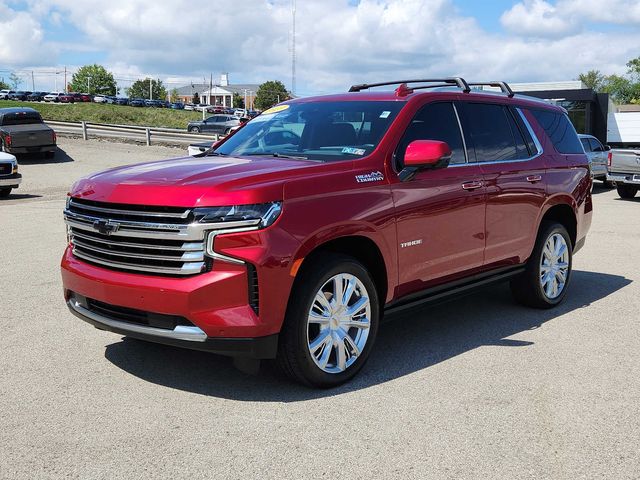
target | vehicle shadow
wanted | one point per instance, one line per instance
(411, 341)
(19, 196)
(38, 158)
(599, 187)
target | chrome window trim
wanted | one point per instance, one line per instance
(536, 142)
(464, 142)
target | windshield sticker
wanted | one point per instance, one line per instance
(376, 176)
(354, 151)
(385, 114)
(276, 109)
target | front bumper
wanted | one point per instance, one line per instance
(190, 337)
(11, 180)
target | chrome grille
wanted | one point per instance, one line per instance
(145, 239)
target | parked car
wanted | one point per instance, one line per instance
(122, 101)
(53, 97)
(9, 176)
(624, 169)
(23, 131)
(189, 106)
(85, 97)
(4, 94)
(77, 97)
(597, 153)
(216, 109)
(20, 95)
(215, 124)
(177, 106)
(322, 214)
(36, 96)
(103, 99)
(66, 98)
(136, 102)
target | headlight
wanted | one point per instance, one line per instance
(235, 219)
(259, 214)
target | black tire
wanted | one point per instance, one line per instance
(627, 191)
(194, 130)
(294, 357)
(609, 184)
(527, 288)
(5, 192)
(226, 132)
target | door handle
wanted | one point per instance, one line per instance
(474, 185)
(534, 178)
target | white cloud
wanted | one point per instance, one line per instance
(21, 38)
(339, 43)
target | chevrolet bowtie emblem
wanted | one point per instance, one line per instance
(105, 227)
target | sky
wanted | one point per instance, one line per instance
(338, 42)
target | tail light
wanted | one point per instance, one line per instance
(7, 140)
(609, 155)
(55, 137)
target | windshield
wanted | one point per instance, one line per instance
(326, 131)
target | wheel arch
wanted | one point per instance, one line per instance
(563, 212)
(363, 249)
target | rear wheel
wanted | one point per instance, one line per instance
(548, 271)
(627, 191)
(331, 323)
(194, 129)
(5, 192)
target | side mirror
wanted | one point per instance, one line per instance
(607, 148)
(424, 154)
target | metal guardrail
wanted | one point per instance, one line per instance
(130, 132)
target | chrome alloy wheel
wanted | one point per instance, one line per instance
(554, 266)
(338, 323)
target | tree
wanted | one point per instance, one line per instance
(93, 79)
(15, 81)
(3, 85)
(620, 89)
(173, 96)
(634, 68)
(238, 101)
(270, 93)
(196, 99)
(593, 79)
(140, 89)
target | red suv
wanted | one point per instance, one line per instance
(295, 234)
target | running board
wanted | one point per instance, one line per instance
(453, 289)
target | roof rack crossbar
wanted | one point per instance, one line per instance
(504, 86)
(457, 81)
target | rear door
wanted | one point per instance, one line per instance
(505, 149)
(439, 213)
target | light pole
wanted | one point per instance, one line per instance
(89, 85)
(150, 90)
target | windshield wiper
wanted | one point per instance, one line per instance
(209, 153)
(273, 154)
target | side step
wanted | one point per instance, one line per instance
(453, 289)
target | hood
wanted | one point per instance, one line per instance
(189, 181)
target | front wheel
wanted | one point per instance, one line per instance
(194, 130)
(548, 271)
(331, 323)
(627, 191)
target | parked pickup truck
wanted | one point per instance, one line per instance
(23, 131)
(9, 176)
(623, 168)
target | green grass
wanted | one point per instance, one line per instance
(115, 114)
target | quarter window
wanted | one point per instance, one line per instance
(435, 121)
(585, 144)
(494, 134)
(560, 131)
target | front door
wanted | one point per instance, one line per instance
(439, 213)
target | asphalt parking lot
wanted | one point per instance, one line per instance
(476, 388)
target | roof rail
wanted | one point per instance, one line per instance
(502, 85)
(443, 82)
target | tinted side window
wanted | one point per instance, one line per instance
(596, 146)
(585, 144)
(560, 131)
(494, 133)
(436, 121)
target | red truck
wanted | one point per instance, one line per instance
(294, 235)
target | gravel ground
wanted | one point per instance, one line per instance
(476, 388)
